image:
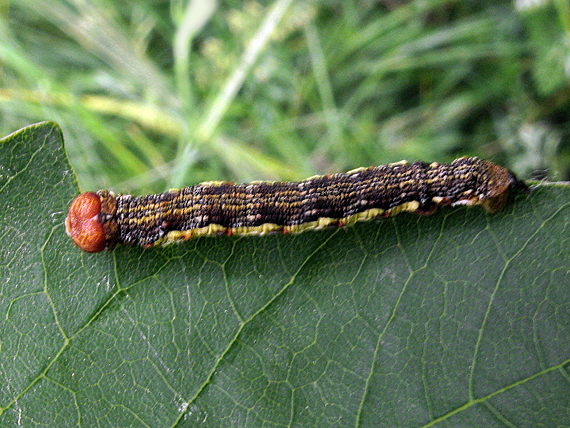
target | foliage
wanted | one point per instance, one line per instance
(155, 94)
(456, 319)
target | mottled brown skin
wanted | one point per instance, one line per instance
(289, 206)
(500, 181)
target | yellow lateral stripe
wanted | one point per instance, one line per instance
(269, 228)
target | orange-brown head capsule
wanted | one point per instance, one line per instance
(83, 223)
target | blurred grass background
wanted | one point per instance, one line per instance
(154, 94)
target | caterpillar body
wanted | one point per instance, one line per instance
(99, 221)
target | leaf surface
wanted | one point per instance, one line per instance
(456, 319)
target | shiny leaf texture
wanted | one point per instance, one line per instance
(457, 319)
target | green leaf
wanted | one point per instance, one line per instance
(457, 319)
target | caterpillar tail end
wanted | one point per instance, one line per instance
(516, 184)
(83, 223)
(501, 182)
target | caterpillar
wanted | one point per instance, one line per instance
(101, 220)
